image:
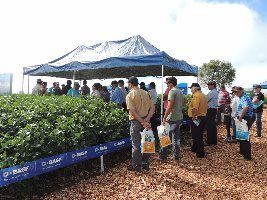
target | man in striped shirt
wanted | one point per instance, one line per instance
(244, 111)
(223, 96)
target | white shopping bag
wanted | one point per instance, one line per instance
(147, 141)
(163, 133)
(242, 132)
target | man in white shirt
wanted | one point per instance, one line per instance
(234, 104)
(37, 90)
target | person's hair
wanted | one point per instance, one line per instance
(223, 87)
(152, 85)
(69, 82)
(104, 88)
(121, 81)
(97, 86)
(114, 82)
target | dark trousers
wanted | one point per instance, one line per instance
(197, 136)
(245, 146)
(227, 122)
(211, 126)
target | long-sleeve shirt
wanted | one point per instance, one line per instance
(213, 98)
(117, 96)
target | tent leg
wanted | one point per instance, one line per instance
(28, 84)
(162, 83)
(73, 78)
(102, 163)
(22, 88)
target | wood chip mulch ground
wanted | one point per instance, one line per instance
(224, 174)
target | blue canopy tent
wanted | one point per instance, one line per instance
(114, 59)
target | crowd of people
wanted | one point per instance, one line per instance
(205, 112)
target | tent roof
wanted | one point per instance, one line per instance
(114, 59)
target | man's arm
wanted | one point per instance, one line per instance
(168, 110)
(244, 110)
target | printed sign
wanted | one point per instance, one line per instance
(18, 173)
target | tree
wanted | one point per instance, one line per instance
(220, 71)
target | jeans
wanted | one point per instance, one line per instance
(175, 137)
(259, 123)
(138, 159)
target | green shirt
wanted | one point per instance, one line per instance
(177, 111)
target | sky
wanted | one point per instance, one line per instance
(36, 32)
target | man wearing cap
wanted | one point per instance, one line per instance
(141, 109)
(244, 111)
(234, 104)
(174, 116)
(211, 114)
(197, 112)
(37, 90)
(116, 95)
(258, 99)
(74, 92)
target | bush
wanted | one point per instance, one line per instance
(34, 127)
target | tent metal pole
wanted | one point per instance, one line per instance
(73, 78)
(22, 88)
(28, 84)
(162, 83)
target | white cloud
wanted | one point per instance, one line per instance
(34, 32)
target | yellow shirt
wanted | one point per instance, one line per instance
(140, 101)
(199, 102)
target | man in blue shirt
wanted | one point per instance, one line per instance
(74, 92)
(116, 95)
(211, 114)
(244, 111)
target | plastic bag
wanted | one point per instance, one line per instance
(163, 133)
(242, 132)
(147, 141)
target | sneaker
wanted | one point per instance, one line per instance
(136, 169)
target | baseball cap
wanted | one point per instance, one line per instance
(133, 80)
(194, 85)
(76, 83)
(257, 86)
(237, 89)
(39, 80)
